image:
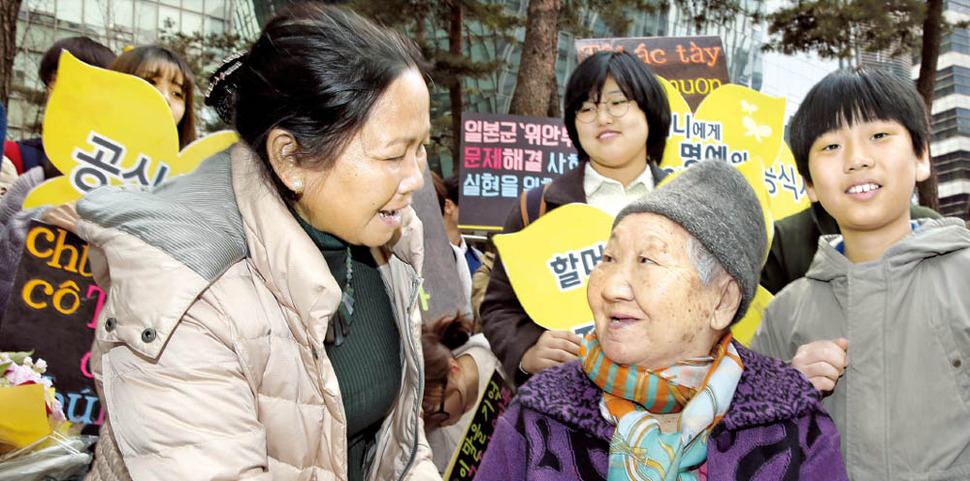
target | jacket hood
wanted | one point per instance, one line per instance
(157, 249)
(188, 220)
(768, 391)
(934, 237)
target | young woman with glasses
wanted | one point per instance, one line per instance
(617, 116)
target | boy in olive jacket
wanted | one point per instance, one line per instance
(889, 290)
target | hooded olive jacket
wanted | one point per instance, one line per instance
(903, 404)
(209, 350)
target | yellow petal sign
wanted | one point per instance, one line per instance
(24, 418)
(109, 128)
(786, 188)
(737, 124)
(548, 263)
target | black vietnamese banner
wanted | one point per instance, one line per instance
(52, 310)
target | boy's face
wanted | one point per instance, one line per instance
(864, 174)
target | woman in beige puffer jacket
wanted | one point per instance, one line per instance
(245, 298)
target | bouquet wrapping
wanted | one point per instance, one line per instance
(36, 441)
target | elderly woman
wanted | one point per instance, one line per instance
(661, 391)
(260, 321)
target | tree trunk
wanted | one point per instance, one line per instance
(538, 61)
(455, 89)
(553, 110)
(8, 46)
(926, 84)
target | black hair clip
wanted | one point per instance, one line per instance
(222, 86)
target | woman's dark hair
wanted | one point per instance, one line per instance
(637, 82)
(82, 48)
(138, 58)
(858, 95)
(440, 189)
(316, 72)
(438, 340)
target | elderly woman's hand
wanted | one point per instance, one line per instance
(63, 216)
(552, 349)
(822, 362)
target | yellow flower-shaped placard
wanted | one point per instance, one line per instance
(109, 128)
(737, 124)
(733, 123)
(548, 263)
(786, 188)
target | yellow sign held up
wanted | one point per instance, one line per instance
(109, 128)
(738, 125)
(548, 263)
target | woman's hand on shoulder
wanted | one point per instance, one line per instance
(552, 349)
(63, 216)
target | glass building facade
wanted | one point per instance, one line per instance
(950, 144)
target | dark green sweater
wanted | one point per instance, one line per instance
(368, 362)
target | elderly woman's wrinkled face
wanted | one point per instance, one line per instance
(649, 305)
(360, 198)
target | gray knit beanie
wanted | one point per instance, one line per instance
(714, 203)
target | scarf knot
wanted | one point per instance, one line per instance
(700, 389)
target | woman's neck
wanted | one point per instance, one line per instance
(624, 174)
(469, 370)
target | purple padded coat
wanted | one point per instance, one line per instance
(775, 429)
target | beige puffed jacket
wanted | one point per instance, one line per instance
(209, 348)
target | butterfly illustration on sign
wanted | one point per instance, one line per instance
(752, 128)
(108, 128)
(748, 108)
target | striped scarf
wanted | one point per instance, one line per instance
(631, 395)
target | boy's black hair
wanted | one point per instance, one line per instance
(637, 82)
(852, 96)
(83, 48)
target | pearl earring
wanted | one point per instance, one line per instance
(298, 187)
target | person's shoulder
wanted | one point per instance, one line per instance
(232, 303)
(564, 393)
(919, 212)
(769, 391)
(796, 292)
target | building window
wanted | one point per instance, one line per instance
(956, 41)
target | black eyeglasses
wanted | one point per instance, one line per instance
(440, 416)
(615, 106)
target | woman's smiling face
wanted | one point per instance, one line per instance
(360, 198)
(614, 143)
